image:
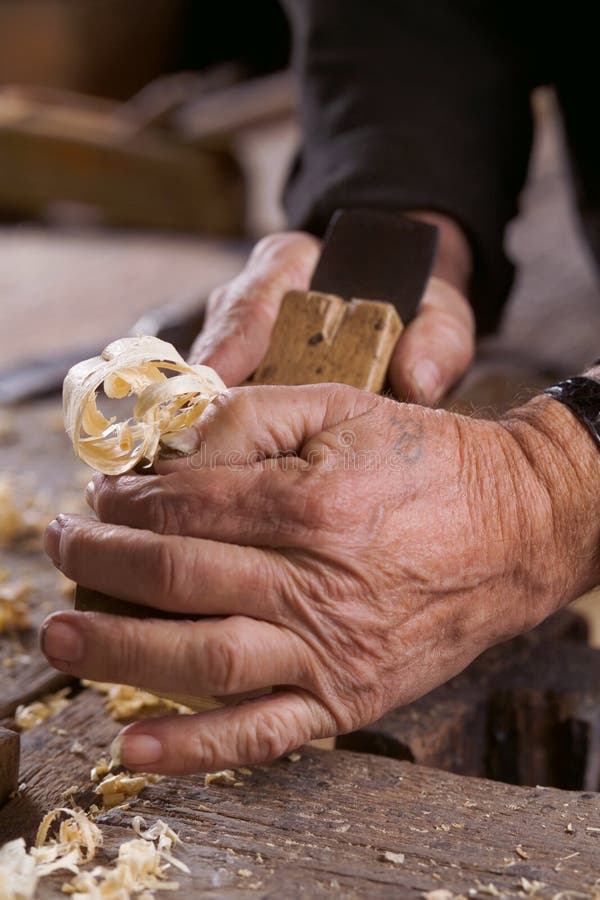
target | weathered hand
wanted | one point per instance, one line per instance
(376, 562)
(433, 351)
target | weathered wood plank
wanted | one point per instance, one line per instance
(9, 763)
(320, 827)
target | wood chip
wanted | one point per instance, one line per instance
(389, 856)
(116, 789)
(32, 714)
(225, 777)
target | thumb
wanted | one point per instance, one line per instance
(437, 348)
(240, 315)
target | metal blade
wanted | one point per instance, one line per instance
(373, 255)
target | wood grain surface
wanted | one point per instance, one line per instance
(322, 826)
(321, 338)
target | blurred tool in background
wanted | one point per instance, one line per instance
(167, 158)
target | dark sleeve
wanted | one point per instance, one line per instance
(415, 104)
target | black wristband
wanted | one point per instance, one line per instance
(582, 396)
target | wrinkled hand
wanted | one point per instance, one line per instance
(394, 546)
(432, 353)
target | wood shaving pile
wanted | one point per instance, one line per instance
(76, 843)
(124, 702)
(141, 865)
(165, 407)
(32, 714)
(14, 605)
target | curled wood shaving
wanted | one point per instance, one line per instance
(116, 789)
(29, 716)
(164, 409)
(14, 606)
(125, 702)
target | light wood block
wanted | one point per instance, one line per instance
(322, 338)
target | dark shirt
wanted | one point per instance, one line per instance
(425, 104)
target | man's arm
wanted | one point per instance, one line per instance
(408, 105)
(411, 106)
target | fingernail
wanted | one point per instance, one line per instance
(61, 642)
(52, 537)
(138, 749)
(427, 380)
(90, 490)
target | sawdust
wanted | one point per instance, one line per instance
(124, 702)
(23, 516)
(30, 715)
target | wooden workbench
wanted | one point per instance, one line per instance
(320, 827)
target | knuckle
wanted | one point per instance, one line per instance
(266, 739)
(126, 650)
(167, 581)
(205, 751)
(291, 253)
(318, 508)
(272, 246)
(217, 297)
(162, 506)
(104, 496)
(234, 404)
(225, 660)
(153, 510)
